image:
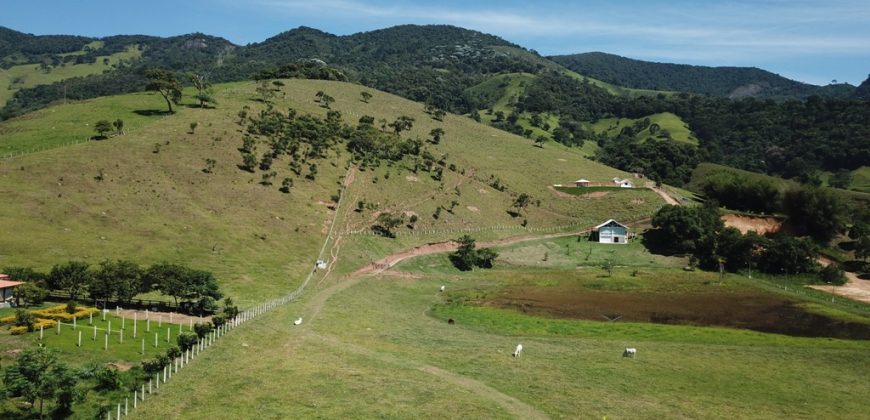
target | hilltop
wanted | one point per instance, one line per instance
(731, 82)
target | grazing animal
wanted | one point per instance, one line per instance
(298, 321)
(518, 351)
(451, 321)
(442, 288)
(629, 352)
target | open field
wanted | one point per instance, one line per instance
(374, 346)
(30, 75)
(861, 179)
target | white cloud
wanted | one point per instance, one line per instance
(734, 29)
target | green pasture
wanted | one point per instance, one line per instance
(29, 75)
(679, 130)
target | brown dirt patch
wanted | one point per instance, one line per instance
(473, 209)
(411, 178)
(120, 366)
(559, 194)
(483, 191)
(760, 224)
(754, 311)
(562, 160)
(596, 194)
(665, 196)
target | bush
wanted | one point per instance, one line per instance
(24, 319)
(187, 340)
(833, 274)
(18, 330)
(107, 379)
(202, 329)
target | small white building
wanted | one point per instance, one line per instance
(612, 232)
(582, 182)
(624, 183)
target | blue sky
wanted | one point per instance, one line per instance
(808, 40)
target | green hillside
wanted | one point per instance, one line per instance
(139, 208)
(25, 76)
(679, 131)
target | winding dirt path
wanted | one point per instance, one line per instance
(665, 196)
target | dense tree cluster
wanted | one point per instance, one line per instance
(716, 81)
(467, 256)
(699, 231)
(120, 281)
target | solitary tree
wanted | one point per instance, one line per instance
(119, 126)
(164, 82)
(521, 202)
(203, 88)
(102, 127)
(540, 140)
(439, 114)
(436, 134)
(365, 96)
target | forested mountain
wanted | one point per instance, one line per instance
(439, 65)
(732, 82)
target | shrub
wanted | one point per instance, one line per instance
(187, 340)
(18, 330)
(107, 379)
(24, 319)
(7, 319)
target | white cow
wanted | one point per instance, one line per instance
(442, 288)
(629, 352)
(298, 321)
(518, 351)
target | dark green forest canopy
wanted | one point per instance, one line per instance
(733, 82)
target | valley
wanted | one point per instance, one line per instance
(371, 232)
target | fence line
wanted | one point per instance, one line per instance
(243, 317)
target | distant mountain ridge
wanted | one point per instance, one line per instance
(731, 82)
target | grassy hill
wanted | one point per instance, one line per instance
(25, 76)
(678, 129)
(155, 203)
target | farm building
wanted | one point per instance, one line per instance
(624, 183)
(612, 232)
(6, 288)
(582, 182)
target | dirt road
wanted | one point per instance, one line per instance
(855, 288)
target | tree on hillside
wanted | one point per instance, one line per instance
(540, 140)
(436, 134)
(164, 82)
(202, 84)
(265, 91)
(119, 126)
(521, 202)
(402, 123)
(386, 222)
(326, 100)
(862, 247)
(72, 276)
(37, 376)
(365, 96)
(439, 114)
(102, 127)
